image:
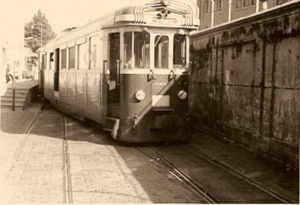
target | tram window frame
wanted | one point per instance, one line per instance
(159, 64)
(82, 56)
(141, 50)
(128, 54)
(51, 59)
(180, 63)
(72, 57)
(93, 52)
(63, 54)
(138, 43)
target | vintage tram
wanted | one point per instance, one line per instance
(127, 71)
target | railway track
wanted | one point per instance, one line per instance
(67, 183)
(163, 155)
(209, 197)
(197, 152)
(178, 174)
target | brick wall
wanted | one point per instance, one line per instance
(245, 82)
(236, 8)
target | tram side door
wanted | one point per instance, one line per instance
(113, 98)
(42, 73)
(56, 70)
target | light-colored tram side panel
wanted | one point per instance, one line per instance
(46, 75)
(80, 79)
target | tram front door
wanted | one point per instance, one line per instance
(113, 97)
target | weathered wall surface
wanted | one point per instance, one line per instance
(245, 82)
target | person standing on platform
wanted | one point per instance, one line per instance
(9, 76)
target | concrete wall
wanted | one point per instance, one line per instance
(245, 82)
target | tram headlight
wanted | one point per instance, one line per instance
(182, 95)
(140, 95)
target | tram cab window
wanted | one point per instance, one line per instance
(179, 52)
(128, 52)
(161, 52)
(63, 59)
(136, 50)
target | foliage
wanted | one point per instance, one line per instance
(38, 32)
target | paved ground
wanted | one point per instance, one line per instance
(14, 123)
(101, 171)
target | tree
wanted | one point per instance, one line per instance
(38, 32)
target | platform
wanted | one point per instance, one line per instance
(18, 94)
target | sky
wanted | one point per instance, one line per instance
(61, 14)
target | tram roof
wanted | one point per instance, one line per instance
(159, 13)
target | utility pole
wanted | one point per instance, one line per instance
(41, 35)
(14, 90)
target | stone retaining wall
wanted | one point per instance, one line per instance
(245, 82)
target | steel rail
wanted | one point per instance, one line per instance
(181, 176)
(227, 168)
(67, 183)
(29, 127)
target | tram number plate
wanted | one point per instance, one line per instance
(164, 20)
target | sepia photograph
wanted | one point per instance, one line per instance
(149, 101)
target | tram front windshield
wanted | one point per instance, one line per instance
(137, 50)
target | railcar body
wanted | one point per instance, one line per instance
(127, 71)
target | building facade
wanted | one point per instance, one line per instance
(215, 12)
(12, 51)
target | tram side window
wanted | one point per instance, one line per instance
(94, 56)
(179, 52)
(93, 52)
(63, 59)
(72, 57)
(51, 59)
(82, 56)
(161, 49)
